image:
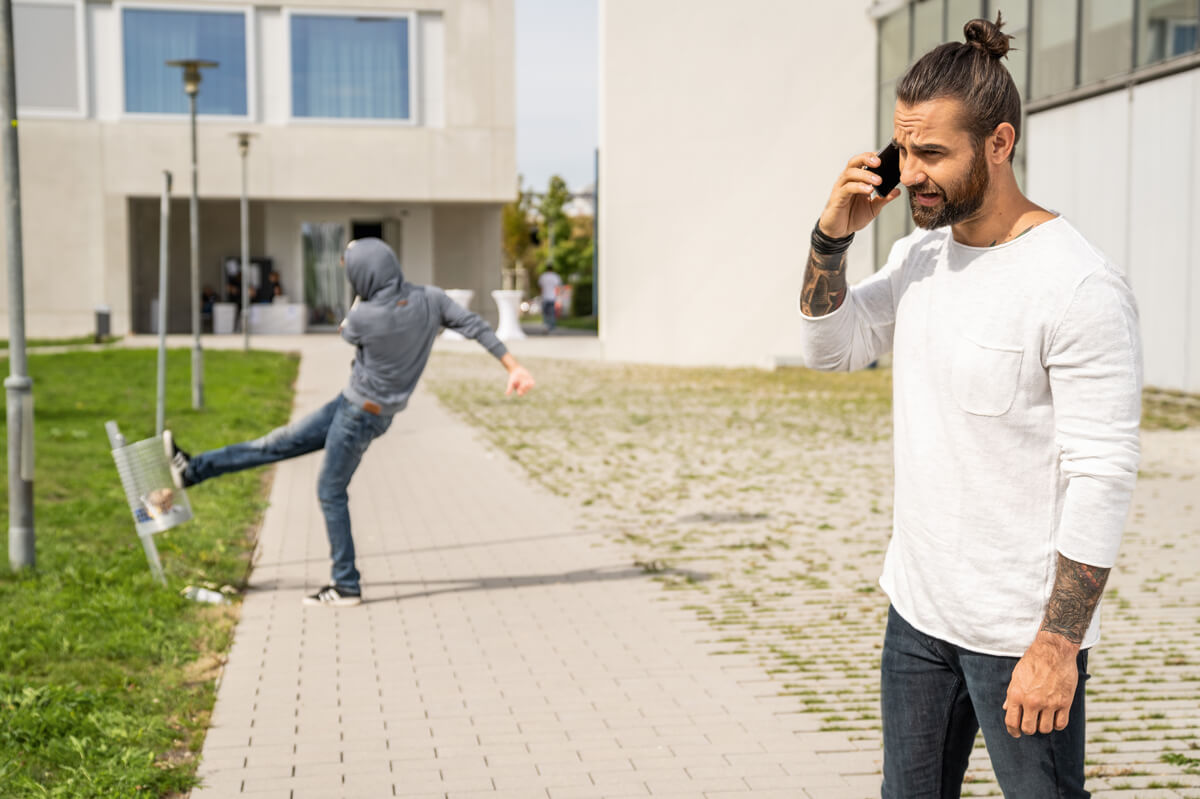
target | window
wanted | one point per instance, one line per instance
(1106, 40)
(1053, 62)
(153, 36)
(351, 67)
(1166, 28)
(927, 27)
(893, 45)
(47, 49)
(959, 13)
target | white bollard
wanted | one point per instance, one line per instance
(508, 302)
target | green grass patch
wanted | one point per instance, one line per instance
(106, 678)
(580, 323)
(70, 341)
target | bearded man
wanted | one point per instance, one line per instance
(1017, 375)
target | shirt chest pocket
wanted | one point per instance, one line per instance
(984, 377)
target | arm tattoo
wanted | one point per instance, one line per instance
(824, 284)
(1077, 590)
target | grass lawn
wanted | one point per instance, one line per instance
(73, 341)
(580, 323)
(106, 678)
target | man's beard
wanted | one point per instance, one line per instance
(959, 204)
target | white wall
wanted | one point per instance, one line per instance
(1123, 168)
(722, 129)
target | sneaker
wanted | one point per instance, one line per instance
(334, 597)
(177, 459)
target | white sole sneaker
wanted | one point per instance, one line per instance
(176, 461)
(331, 597)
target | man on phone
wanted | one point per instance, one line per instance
(1017, 385)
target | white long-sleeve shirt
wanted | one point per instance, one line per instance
(1017, 374)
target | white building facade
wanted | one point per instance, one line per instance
(751, 115)
(369, 118)
(722, 128)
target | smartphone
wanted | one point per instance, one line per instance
(888, 169)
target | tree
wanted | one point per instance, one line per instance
(556, 227)
(515, 231)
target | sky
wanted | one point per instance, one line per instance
(556, 91)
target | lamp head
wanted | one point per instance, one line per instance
(243, 140)
(191, 72)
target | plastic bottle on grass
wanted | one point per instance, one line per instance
(205, 595)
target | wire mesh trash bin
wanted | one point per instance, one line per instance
(157, 505)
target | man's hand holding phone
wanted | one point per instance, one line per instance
(862, 190)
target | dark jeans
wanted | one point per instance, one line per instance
(936, 696)
(548, 314)
(344, 431)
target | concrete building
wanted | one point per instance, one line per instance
(721, 131)
(370, 118)
(751, 114)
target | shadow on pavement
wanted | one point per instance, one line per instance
(263, 564)
(450, 586)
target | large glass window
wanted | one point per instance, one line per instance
(893, 45)
(958, 14)
(1016, 25)
(46, 48)
(153, 36)
(1053, 63)
(350, 67)
(928, 16)
(1106, 42)
(1166, 28)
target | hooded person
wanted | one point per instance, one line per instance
(392, 325)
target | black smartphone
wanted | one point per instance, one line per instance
(888, 169)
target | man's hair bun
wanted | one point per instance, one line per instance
(987, 37)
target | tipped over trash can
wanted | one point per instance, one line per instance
(156, 504)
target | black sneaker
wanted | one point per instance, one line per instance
(334, 597)
(177, 459)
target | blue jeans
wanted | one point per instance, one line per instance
(936, 696)
(344, 430)
(548, 315)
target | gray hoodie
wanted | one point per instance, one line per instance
(393, 323)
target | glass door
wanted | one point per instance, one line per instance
(326, 290)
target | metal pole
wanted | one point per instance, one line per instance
(164, 227)
(197, 350)
(244, 147)
(18, 386)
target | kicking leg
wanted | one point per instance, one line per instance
(298, 438)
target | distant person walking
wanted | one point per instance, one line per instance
(549, 283)
(393, 324)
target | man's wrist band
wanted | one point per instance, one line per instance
(825, 245)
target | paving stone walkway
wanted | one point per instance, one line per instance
(501, 650)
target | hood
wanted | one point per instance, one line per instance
(372, 267)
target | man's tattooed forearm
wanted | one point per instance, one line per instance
(824, 284)
(1077, 590)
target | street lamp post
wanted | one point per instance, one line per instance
(18, 385)
(243, 140)
(191, 85)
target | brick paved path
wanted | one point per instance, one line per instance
(501, 650)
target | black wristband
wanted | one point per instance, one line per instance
(825, 245)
